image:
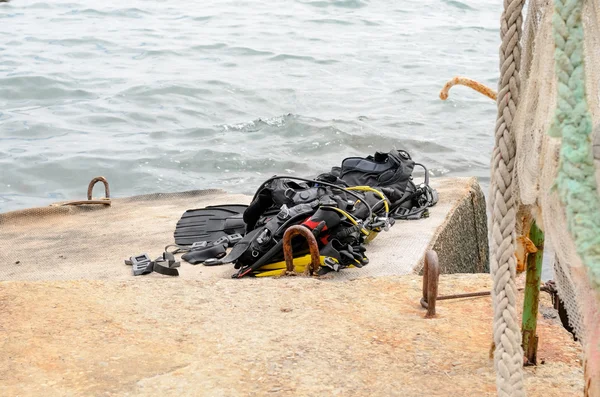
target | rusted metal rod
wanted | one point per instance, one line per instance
(431, 276)
(313, 247)
(467, 295)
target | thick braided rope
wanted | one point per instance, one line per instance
(508, 357)
(575, 181)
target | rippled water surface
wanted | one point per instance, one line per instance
(179, 95)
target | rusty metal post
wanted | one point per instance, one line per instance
(532, 295)
(313, 247)
(425, 283)
(431, 276)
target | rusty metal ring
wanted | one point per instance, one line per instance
(103, 201)
(93, 182)
(313, 247)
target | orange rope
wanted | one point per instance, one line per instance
(459, 80)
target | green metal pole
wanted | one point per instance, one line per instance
(532, 295)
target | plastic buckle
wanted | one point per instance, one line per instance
(408, 213)
(222, 240)
(415, 213)
(332, 264)
(284, 212)
(289, 193)
(166, 265)
(264, 237)
(168, 260)
(402, 211)
(234, 238)
(141, 264)
(198, 245)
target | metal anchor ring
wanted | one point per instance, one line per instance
(313, 247)
(93, 182)
(103, 201)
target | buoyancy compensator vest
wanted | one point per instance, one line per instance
(392, 174)
(338, 217)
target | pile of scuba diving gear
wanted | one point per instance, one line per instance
(344, 209)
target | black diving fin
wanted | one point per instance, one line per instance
(216, 251)
(210, 224)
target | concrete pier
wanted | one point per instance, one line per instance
(74, 321)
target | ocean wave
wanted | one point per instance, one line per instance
(39, 88)
(336, 3)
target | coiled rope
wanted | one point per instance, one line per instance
(508, 356)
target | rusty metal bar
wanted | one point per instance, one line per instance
(431, 276)
(313, 247)
(425, 283)
(467, 295)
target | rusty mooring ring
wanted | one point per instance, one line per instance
(102, 201)
(313, 247)
(93, 182)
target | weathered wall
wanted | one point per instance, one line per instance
(462, 243)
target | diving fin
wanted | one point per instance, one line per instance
(216, 251)
(210, 223)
